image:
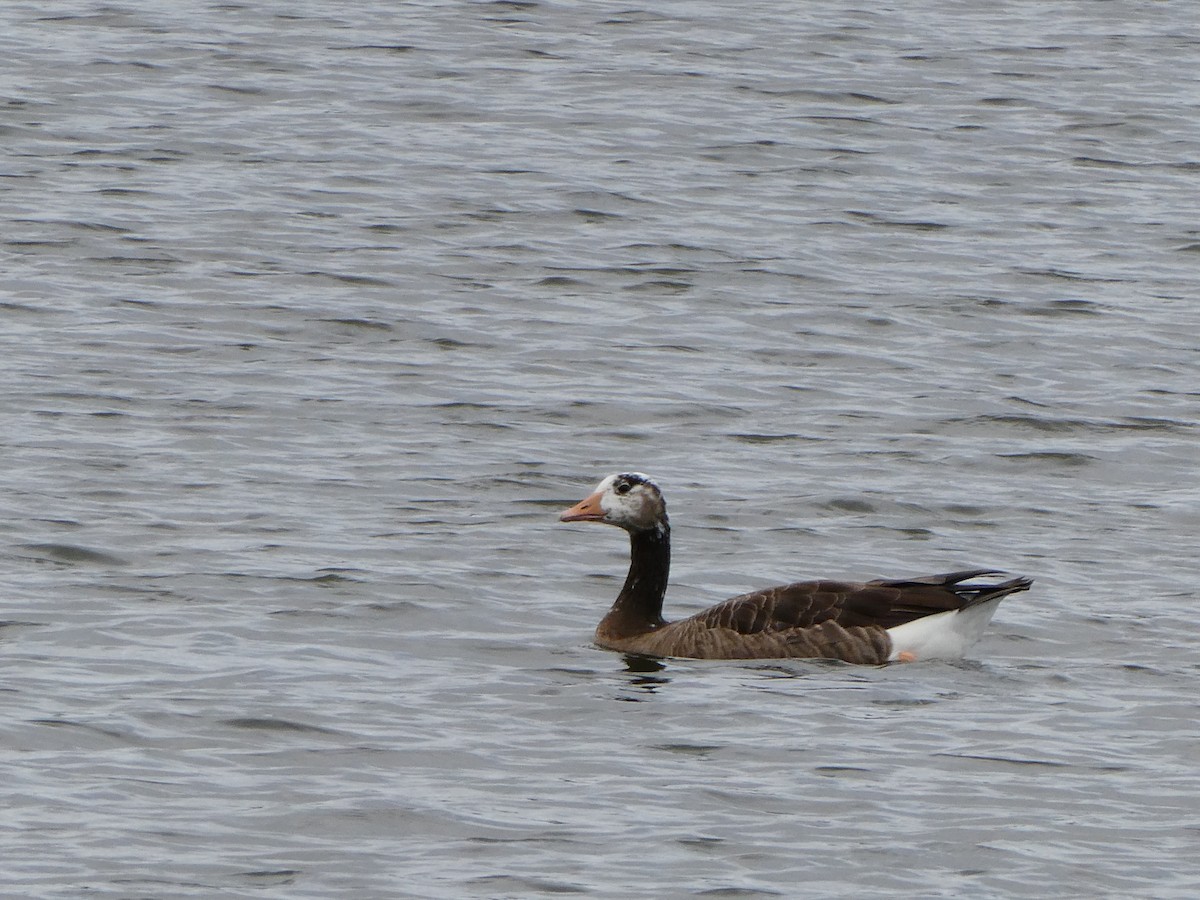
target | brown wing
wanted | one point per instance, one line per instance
(800, 605)
(849, 604)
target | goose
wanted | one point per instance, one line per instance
(871, 623)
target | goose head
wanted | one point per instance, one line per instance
(629, 500)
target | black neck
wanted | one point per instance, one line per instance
(638, 607)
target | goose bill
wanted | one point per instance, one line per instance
(586, 510)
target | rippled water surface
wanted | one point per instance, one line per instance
(315, 314)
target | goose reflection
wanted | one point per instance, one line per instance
(642, 674)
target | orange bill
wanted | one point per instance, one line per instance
(586, 510)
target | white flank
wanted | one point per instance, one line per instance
(944, 635)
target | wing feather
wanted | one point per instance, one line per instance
(801, 605)
(885, 604)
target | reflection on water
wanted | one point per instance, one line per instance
(643, 669)
(643, 664)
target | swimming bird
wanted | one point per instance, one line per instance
(873, 622)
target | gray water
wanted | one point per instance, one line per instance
(316, 314)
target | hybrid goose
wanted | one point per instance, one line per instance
(874, 622)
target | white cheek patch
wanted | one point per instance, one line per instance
(612, 502)
(615, 506)
(626, 507)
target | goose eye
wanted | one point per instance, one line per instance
(623, 487)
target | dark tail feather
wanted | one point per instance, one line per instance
(980, 593)
(941, 580)
(971, 594)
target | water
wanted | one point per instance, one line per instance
(315, 315)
